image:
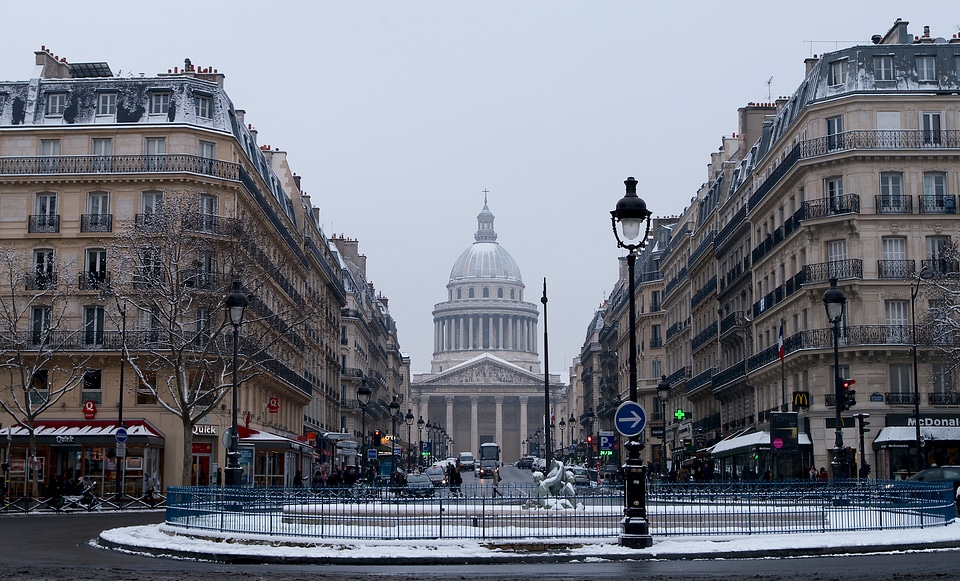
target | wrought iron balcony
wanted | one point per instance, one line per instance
(96, 223)
(118, 164)
(41, 280)
(43, 224)
(887, 204)
(824, 207)
(839, 269)
(899, 398)
(938, 204)
(900, 269)
(944, 398)
(94, 280)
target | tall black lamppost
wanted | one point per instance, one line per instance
(409, 420)
(420, 424)
(394, 415)
(925, 273)
(592, 417)
(631, 213)
(834, 301)
(663, 393)
(563, 426)
(121, 452)
(572, 422)
(363, 398)
(236, 302)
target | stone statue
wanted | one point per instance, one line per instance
(555, 490)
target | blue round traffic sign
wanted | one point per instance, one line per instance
(630, 419)
(120, 435)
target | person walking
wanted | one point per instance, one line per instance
(496, 482)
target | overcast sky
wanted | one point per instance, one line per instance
(398, 115)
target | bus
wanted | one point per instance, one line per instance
(490, 451)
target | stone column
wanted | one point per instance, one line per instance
(474, 427)
(498, 430)
(523, 421)
(449, 419)
(470, 333)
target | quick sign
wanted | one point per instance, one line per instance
(273, 405)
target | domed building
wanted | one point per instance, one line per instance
(485, 382)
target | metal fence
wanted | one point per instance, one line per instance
(672, 509)
(69, 503)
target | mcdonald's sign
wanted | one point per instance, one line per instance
(801, 399)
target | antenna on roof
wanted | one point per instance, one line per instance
(769, 95)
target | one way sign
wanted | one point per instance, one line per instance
(630, 419)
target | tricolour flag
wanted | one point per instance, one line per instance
(780, 349)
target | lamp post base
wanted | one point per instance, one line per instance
(635, 530)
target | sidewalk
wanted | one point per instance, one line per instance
(162, 540)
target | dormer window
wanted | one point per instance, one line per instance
(838, 73)
(204, 107)
(159, 103)
(56, 103)
(883, 68)
(107, 103)
(926, 68)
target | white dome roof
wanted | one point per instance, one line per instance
(485, 259)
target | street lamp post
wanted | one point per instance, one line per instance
(925, 273)
(420, 424)
(631, 214)
(363, 398)
(563, 426)
(834, 301)
(572, 422)
(409, 419)
(236, 302)
(663, 393)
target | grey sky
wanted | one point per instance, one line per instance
(398, 114)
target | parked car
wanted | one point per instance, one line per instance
(487, 468)
(466, 461)
(437, 475)
(584, 477)
(525, 462)
(417, 485)
(942, 474)
(539, 464)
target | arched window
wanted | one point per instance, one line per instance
(513, 294)
(459, 293)
(470, 293)
(486, 293)
(500, 293)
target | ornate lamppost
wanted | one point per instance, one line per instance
(834, 301)
(420, 424)
(563, 426)
(363, 398)
(235, 303)
(924, 274)
(409, 420)
(663, 393)
(631, 214)
(572, 422)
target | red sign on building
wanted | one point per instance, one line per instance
(273, 405)
(89, 409)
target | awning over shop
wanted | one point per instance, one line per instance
(262, 439)
(63, 430)
(746, 442)
(908, 434)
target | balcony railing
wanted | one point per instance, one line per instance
(705, 337)
(700, 380)
(940, 267)
(43, 224)
(41, 280)
(938, 204)
(730, 227)
(838, 269)
(887, 204)
(680, 375)
(703, 292)
(96, 223)
(93, 280)
(899, 398)
(882, 139)
(944, 398)
(119, 164)
(824, 207)
(896, 268)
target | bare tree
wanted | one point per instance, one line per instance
(940, 326)
(180, 261)
(41, 358)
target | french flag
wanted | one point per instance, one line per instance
(780, 350)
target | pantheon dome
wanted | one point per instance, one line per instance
(485, 258)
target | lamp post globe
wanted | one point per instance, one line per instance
(235, 302)
(630, 215)
(833, 302)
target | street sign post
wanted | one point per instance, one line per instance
(630, 419)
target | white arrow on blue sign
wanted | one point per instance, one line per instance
(630, 419)
(120, 435)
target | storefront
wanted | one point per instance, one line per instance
(68, 450)
(895, 447)
(272, 460)
(748, 455)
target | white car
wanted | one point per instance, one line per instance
(466, 461)
(539, 464)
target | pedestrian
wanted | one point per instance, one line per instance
(298, 479)
(814, 473)
(455, 477)
(496, 482)
(823, 477)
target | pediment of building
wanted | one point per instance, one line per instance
(488, 371)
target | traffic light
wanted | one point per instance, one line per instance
(849, 395)
(377, 437)
(590, 440)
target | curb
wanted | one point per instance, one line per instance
(560, 554)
